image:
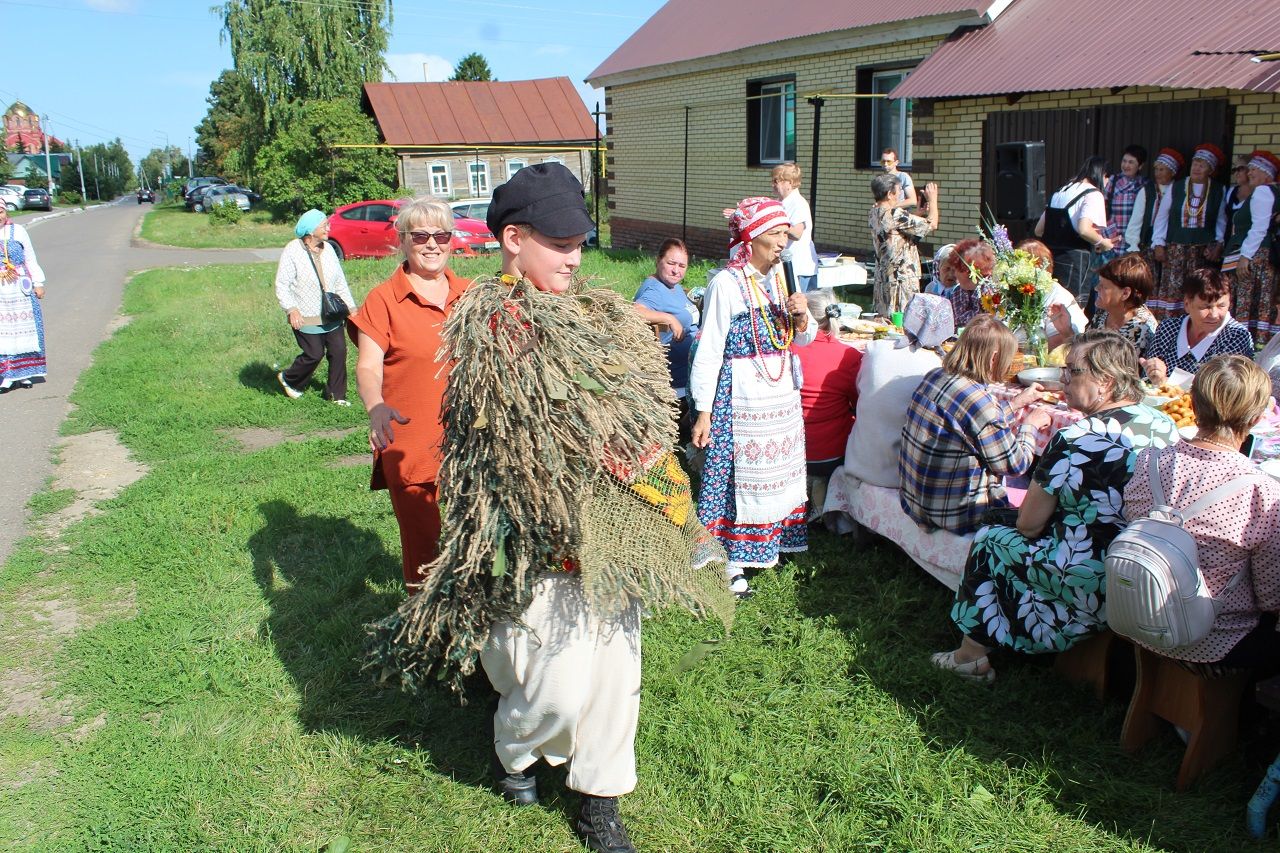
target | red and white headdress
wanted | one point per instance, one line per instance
(1171, 159)
(751, 218)
(1211, 154)
(1266, 161)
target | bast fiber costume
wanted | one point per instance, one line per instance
(565, 514)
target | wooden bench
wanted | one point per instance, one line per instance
(1086, 662)
(1208, 709)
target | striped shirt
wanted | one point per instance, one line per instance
(958, 444)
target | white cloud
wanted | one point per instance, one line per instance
(118, 6)
(409, 68)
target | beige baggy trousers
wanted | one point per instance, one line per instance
(569, 684)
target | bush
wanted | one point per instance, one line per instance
(225, 213)
(69, 197)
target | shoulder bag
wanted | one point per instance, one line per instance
(332, 308)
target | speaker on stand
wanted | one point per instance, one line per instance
(1020, 186)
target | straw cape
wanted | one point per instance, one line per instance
(558, 426)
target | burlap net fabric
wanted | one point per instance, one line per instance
(558, 423)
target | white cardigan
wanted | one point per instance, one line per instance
(297, 285)
(20, 234)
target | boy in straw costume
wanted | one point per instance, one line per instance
(566, 512)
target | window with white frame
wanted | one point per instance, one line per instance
(514, 166)
(479, 174)
(553, 160)
(771, 121)
(440, 179)
(890, 119)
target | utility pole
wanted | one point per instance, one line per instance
(44, 132)
(80, 155)
(191, 166)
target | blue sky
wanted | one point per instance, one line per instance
(141, 69)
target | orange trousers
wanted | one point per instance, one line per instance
(418, 513)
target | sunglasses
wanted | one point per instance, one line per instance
(440, 238)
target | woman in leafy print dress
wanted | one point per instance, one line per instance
(1039, 586)
(895, 234)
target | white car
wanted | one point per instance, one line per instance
(472, 208)
(218, 195)
(11, 196)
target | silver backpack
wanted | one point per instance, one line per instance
(1155, 590)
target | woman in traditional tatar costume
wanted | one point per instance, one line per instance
(1248, 250)
(745, 383)
(21, 320)
(1185, 231)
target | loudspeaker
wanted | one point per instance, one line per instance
(1020, 179)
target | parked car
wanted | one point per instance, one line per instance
(12, 197)
(216, 195)
(253, 197)
(37, 198)
(203, 181)
(367, 229)
(145, 194)
(472, 208)
(474, 233)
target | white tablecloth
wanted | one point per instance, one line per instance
(842, 275)
(939, 552)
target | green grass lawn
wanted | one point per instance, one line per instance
(173, 225)
(211, 699)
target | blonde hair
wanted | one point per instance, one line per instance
(1109, 355)
(423, 211)
(1229, 392)
(788, 172)
(984, 339)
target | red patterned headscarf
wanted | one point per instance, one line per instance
(751, 218)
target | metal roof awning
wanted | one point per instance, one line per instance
(1049, 46)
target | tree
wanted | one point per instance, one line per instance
(473, 66)
(232, 131)
(293, 52)
(301, 165)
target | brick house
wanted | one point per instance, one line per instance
(461, 139)
(965, 75)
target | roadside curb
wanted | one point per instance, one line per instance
(57, 213)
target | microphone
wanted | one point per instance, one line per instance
(788, 271)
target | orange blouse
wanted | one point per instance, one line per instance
(408, 331)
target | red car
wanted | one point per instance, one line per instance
(367, 229)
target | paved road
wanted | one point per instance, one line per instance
(87, 257)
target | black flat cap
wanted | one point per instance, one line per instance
(545, 196)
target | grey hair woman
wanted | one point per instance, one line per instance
(1037, 585)
(895, 233)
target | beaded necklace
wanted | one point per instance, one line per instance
(1193, 206)
(760, 303)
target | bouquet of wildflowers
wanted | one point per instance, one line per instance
(1018, 287)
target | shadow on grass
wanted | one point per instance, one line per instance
(1030, 719)
(324, 580)
(260, 376)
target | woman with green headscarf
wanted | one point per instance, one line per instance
(309, 270)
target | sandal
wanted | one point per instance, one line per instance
(967, 671)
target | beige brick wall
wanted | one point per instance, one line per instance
(957, 127)
(646, 129)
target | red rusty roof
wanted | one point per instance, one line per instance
(691, 29)
(1051, 45)
(519, 112)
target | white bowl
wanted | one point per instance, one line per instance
(1049, 377)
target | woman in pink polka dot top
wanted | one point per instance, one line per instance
(1238, 534)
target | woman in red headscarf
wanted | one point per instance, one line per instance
(1248, 249)
(745, 384)
(1185, 235)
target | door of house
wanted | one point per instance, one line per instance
(1070, 136)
